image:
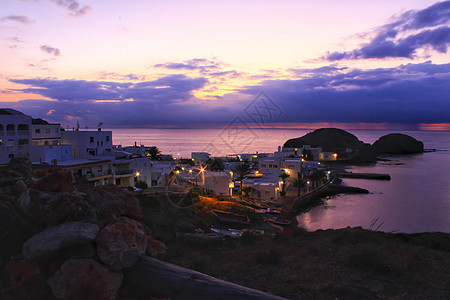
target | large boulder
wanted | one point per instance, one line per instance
(397, 143)
(85, 279)
(109, 202)
(59, 237)
(24, 280)
(122, 243)
(33, 204)
(338, 141)
(68, 207)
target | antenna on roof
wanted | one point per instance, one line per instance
(78, 125)
(100, 126)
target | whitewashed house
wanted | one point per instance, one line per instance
(15, 135)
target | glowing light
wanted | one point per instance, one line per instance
(178, 171)
(308, 182)
(202, 170)
(190, 171)
(137, 174)
(182, 168)
(257, 172)
(231, 185)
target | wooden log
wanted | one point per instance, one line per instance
(176, 282)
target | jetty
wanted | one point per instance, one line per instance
(374, 176)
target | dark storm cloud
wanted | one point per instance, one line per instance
(50, 50)
(407, 94)
(413, 93)
(21, 19)
(413, 30)
(74, 7)
(169, 88)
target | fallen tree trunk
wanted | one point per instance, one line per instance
(177, 282)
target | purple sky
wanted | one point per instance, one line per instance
(204, 63)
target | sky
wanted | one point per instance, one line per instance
(200, 64)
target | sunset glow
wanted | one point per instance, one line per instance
(178, 64)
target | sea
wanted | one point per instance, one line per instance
(416, 199)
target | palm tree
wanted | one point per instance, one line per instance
(299, 184)
(242, 169)
(283, 177)
(215, 164)
(316, 176)
(154, 152)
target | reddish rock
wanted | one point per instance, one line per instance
(56, 238)
(110, 201)
(85, 279)
(24, 280)
(32, 203)
(59, 181)
(120, 244)
(67, 207)
(157, 249)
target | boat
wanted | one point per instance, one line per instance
(228, 217)
(279, 221)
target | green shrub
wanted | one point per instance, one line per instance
(141, 184)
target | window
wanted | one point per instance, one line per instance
(107, 138)
(22, 127)
(65, 151)
(11, 145)
(56, 130)
(38, 131)
(263, 166)
(100, 168)
(102, 143)
(275, 166)
(91, 139)
(47, 130)
(266, 193)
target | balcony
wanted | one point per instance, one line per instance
(24, 132)
(123, 172)
(10, 132)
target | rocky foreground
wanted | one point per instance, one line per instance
(68, 242)
(65, 241)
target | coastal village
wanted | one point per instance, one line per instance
(91, 155)
(82, 218)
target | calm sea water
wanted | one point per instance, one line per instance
(417, 199)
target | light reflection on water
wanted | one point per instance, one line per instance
(417, 199)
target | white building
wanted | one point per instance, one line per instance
(15, 135)
(44, 133)
(99, 172)
(52, 155)
(86, 144)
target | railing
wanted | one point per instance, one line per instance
(23, 147)
(10, 132)
(98, 174)
(124, 172)
(11, 148)
(23, 132)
